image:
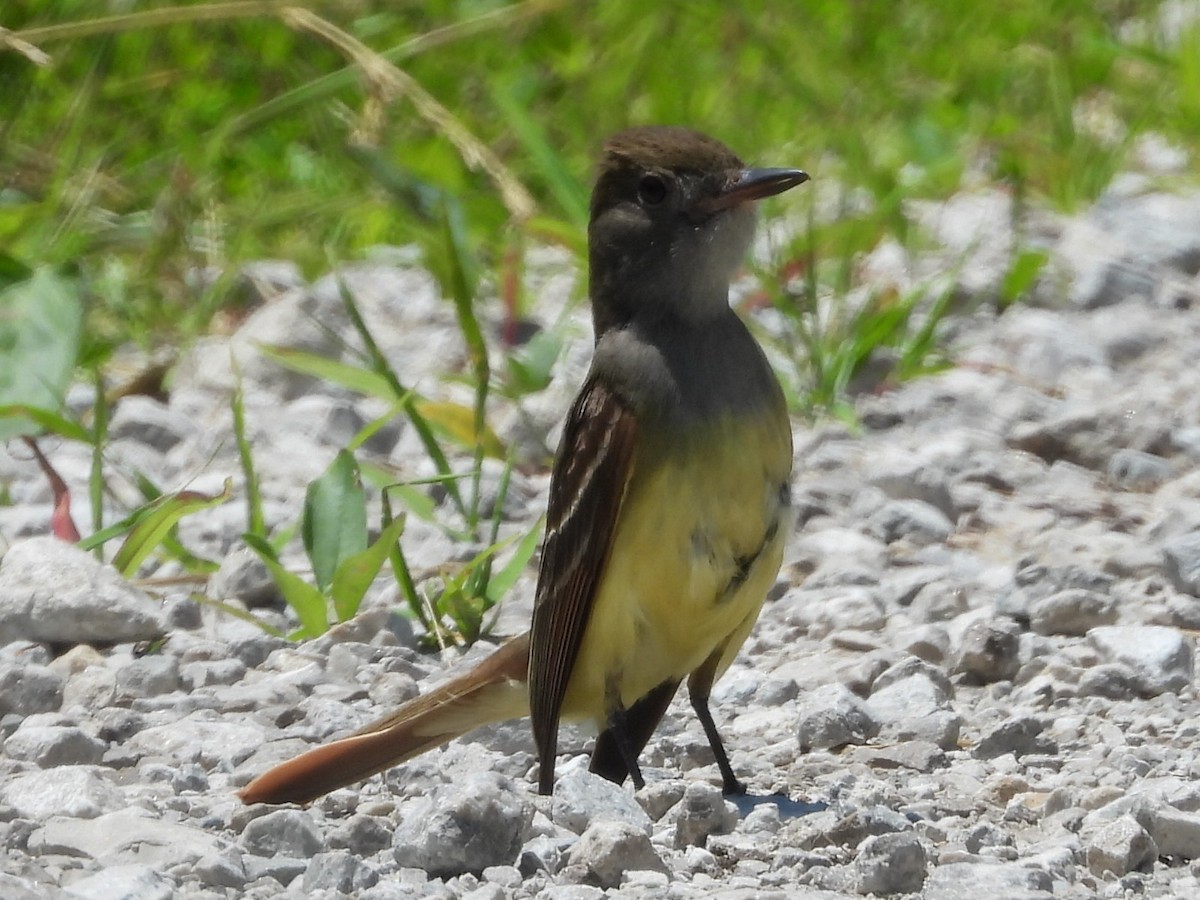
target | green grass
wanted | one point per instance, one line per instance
(144, 152)
(138, 151)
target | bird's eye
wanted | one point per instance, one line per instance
(652, 190)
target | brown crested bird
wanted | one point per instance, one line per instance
(670, 496)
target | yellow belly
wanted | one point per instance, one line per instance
(677, 587)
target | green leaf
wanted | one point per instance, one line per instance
(353, 378)
(157, 521)
(41, 320)
(261, 546)
(415, 500)
(237, 612)
(335, 518)
(459, 423)
(356, 573)
(502, 582)
(256, 522)
(1021, 275)
(49, 421)
(12, 271)
(530, 367)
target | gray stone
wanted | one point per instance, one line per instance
(911, 520)
(244, 576)
(920, 756)
(1136, 470)
(891, 864)
(146, 421)
(362, 835)
(852, 829)
(609, 849)
(910, 702)
(1011, 881)
(1019, 736)
(1074, 612)
(14, 888)
(1120, 847)
(543, 853)
(54, 745)
(1181, 562)
(340, 871)
(1111, 680)
(703, 811)
(205, 672)
(124, 883)
(466, 827)
(282, 832)
(905, 477)
(53, 591)
(976, 230)
(81, 792)
(989, 651)
(657, 797)
(581, 798)
(1156, 228)
(281, 869)
(1176, 833)
(928, 642)
(125, 836)
(223, 869)
(833, 716)
(27, 688)
(148, 676)
(1159, 656)
(94, 687)
(201, 736)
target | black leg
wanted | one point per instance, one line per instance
(609, 759)
(700, 684)
(730, 783)
(618, 727)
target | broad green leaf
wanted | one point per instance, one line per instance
(161, 516)
(41, 320)
(335, 518)
(356, 573)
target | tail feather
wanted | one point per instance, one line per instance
(493, 691)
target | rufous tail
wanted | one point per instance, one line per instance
(493, 691)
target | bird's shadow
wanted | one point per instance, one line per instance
(788, 808)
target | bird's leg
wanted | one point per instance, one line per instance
(618, 728)
(699, 687)
(639, 722)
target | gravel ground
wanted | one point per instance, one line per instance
(975, 677)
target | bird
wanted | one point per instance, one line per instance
(670, 492)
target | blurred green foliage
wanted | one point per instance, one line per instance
(152, 155)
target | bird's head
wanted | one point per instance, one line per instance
(671, 220)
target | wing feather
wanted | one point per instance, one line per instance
(587, 488)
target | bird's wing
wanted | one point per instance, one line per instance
(587, 489)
